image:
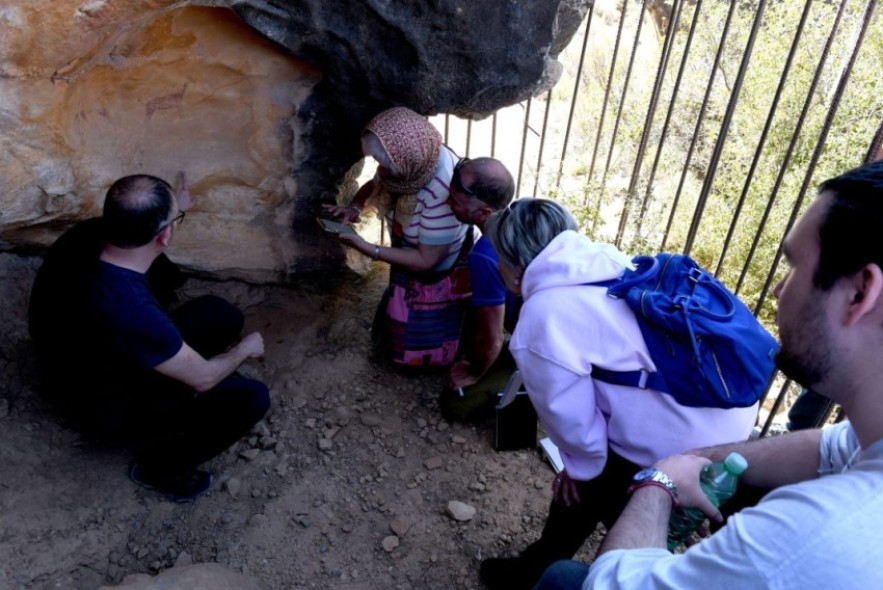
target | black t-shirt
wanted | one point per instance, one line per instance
(72, 345)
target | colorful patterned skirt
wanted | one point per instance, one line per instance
(420, 316)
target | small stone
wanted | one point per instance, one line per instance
(433, 463)
(400, 526)
(331, 432)
(458, 440)
(233, 485)
(183, 560)
(390, 543)
(460, 511)
(310, 423)
(268, 442)
(370, 419)
(325, 444)
(250, 454)
(258, 520)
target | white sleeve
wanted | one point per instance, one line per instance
(788, 541)
(839, 448)
(565, 404)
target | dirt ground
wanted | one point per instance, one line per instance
(345, 484)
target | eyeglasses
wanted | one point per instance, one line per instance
(176, 220)
(457, 182)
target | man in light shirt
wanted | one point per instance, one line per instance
(819, 526)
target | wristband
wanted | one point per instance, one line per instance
(657, 484)
(654, 477)
(376, 254)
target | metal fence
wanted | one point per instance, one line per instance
(699, 126)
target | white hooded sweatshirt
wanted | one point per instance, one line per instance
(564, 328)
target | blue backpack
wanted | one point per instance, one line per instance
(708, 348)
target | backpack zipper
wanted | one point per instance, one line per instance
(720, 374)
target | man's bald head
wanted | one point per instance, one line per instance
(486, 179)
(136, 209)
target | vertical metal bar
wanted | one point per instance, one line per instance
(468, 135)
(789, 153)
(711, 171)
(447, 128)
(536, 179)
(668, 115)
(523, 145)
(648, 119)
(705, 99)
(494, 135)
(576, 83)
(820, 145)
(625, 89)
(763, 136)
(607, 89)
(824, 415)
(875, 150)
(775, 409)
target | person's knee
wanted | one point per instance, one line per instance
(217, 308)
(566, 574)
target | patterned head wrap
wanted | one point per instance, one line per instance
(412, 144)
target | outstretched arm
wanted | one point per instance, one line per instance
(352, 213)
(189, 367)
(420, 259)
(774, 461)
(485, 348)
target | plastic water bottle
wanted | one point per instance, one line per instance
(718, 481)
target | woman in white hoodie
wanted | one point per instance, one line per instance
(606, 433)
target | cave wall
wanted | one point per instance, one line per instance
(138, 87)
(261, 102)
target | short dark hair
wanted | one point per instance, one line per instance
(136, 209)
(848, 235)
(492, 184)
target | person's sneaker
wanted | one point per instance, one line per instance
(182, 488)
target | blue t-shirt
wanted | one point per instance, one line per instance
(135, 329)
(488, 288)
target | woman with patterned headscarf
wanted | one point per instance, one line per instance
(418, 322)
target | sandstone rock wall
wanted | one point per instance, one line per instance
(94, 91)
(91, 90)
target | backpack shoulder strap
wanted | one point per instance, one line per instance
(645, 267)
(642, 379)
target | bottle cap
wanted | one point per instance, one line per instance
(735, 463)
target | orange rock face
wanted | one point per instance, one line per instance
(92, 91)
